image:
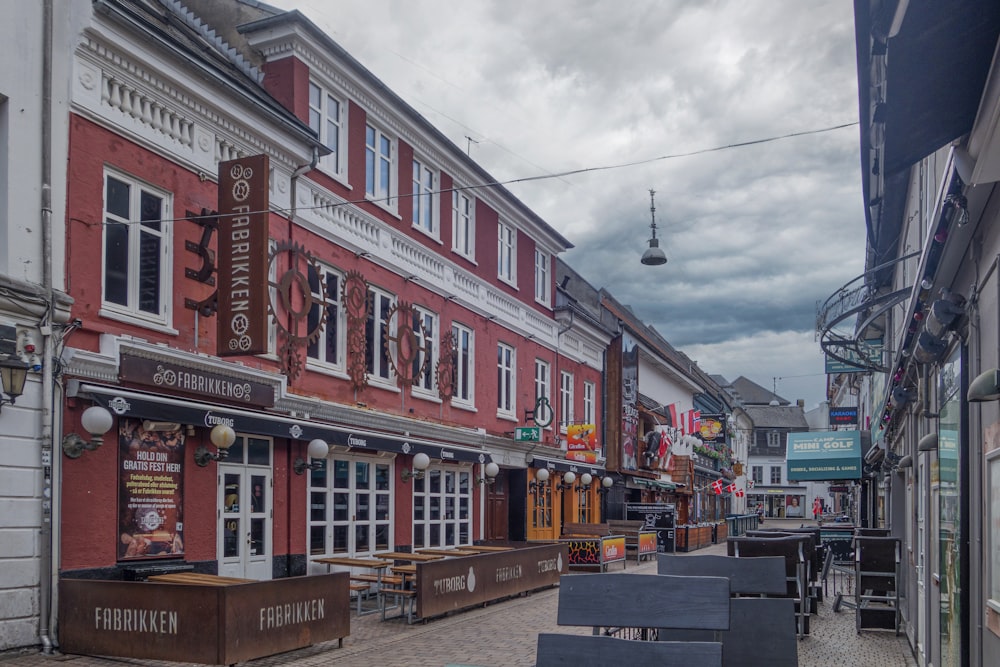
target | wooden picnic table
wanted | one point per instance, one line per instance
(198, 579)
(486, 549)
(406, 555)
(448, 552)
(379, 565)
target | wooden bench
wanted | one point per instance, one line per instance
(374, 579)
(631, 529)
(751, 618)
(406, 599)
(571, 529)
(640, 602)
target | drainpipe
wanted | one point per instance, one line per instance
(47, 571)
(295, 180)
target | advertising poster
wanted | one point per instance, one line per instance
(793, 507)
(581, 437)
(150, 492)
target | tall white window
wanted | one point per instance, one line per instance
(757, 473)
(328, 117)
(328, 348)
(137, 253)
(775, 474)
(425, 333)
(589, 391)
(463, 224)
(543, 388)
(464, 363)
(442, 508)
(542, 276)
(505, 379)
(506, 246)
(379, 155)
(376, 350)
(566, 398)
(349, 508)
(424, 186)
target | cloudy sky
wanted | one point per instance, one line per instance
(655, 90)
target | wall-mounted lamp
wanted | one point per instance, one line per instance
(928, 443)
(420, 464)
(13, 373)
(568, 479)
(491, 470)
(317, 450)
(606, 484)
(223, 437)
(540, 481)
(986, 387)
(585, 481)
(905, 462)
(96, 421)
(902, 395)
(654, 255)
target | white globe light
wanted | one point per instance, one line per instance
(318, 449)
(96, 420)
(492, 469)
(542, 475)
(607, 482)
(222, 436)
(421, 461)
(569, 477)
(586, 478)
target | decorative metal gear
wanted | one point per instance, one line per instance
(446, 367)
(354, 296)
(291, 297)
(403, 346)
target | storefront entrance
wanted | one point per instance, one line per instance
(245, 500)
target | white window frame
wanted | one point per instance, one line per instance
(463, 224)
(428, 338)
(774, 438)
(992, 588)
(130, 311)
(332, 300)
(780, 476)
(325, 124)
(506, 381)
(382, 194)
(322, 484)
(543, 389)
(506, 253)
(589, 403)
(465, 366)
(376, 359)
(433, 488)
(425, 181)
(543, 265)
(757, 474)
(566, 395)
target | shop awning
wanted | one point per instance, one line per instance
(140, 405)
(653, 484)
(565, 465)
(824, 455)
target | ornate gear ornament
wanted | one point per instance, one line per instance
(446, 367)
(354, 296)
(403, 345)
(291, 300)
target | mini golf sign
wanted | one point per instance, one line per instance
(824, 455)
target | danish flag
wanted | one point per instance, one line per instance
(731, 488)
(717, 486)
(739, 493)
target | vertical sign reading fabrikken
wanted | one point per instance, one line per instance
(242, 257)
(150, 492)
(630, 398)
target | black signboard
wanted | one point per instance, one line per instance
(658, 517)
(843, 416)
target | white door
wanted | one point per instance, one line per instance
(245, 511)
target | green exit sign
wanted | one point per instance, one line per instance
(527, 434)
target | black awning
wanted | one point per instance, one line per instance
(128, 403)
(565, 465)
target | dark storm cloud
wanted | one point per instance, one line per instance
(755, 235)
